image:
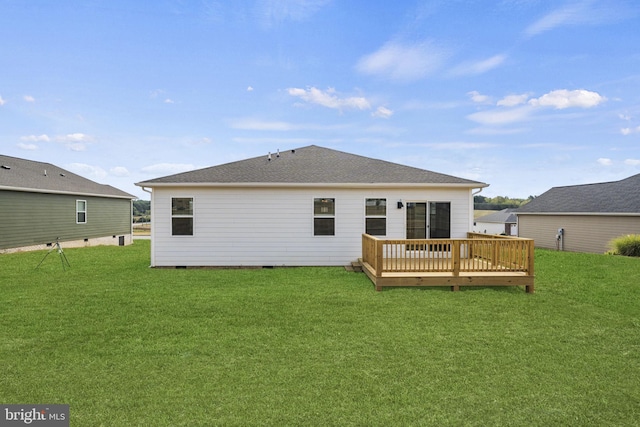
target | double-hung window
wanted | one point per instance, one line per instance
(81, 211)
(375, 212)
(324, 217)
(182, 216)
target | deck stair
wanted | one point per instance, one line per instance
(355, 267)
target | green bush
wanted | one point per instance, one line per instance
(628, 245)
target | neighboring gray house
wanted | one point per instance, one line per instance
(502, 222)
(41, 203)
(582, 218)
(308, 206)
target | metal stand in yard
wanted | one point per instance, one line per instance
(63, 257)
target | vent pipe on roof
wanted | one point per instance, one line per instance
(269, 156)
(6, 167)
(45, 172)
(278, 153)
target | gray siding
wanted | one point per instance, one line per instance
(582, 233)
(38, 218)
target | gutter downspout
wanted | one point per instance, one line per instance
(151, 236)
(472, 219)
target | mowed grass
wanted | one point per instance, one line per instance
(126, 345)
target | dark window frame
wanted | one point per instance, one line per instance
(324, 216)
(373, 219)
(182, 217)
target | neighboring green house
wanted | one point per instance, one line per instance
(41, 203)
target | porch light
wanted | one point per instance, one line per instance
(400, 205)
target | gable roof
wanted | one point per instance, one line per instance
(311, 165)
(608, 197)
(31, 176)
(505, 216)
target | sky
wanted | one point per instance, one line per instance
(523, 95)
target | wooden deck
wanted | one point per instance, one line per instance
(478, 260)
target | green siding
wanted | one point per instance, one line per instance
(37, 218)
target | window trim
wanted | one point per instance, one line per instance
(192, 216)
(386, 210)
(322, 216)
(81, 211)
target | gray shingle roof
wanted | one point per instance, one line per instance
(505, 216)
(312, 165)
(29, 175)
(607, 197)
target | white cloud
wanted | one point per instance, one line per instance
(501, 116)
(169, 101)
(35, 138)
(119, 171)
(629, 131)
(581, 12)
(30, 147)
(513, 100)
(403, 62)
(383, 113)
(478, 97)
(249, 89)
(168, 168)
(87, 170)
(2, 101)
(29, 98)
(479, 67)
(75, 141)
(74, 137)
(605, 162)
(329, 99)
(563, 98)
(632, 162)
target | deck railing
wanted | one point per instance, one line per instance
(476, 253)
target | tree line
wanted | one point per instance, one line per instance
(498, 203)
(141, 208)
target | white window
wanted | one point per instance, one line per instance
(375, 212)
(81, 211)
(182, 216)
(324, 217)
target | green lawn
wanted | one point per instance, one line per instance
(126, 345)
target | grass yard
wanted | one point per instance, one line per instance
(126, 345)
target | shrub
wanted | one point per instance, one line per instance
(628, 245)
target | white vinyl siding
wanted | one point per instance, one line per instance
(230, 231)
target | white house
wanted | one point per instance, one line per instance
(500, 222)
(308, 206)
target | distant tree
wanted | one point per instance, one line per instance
(141, 207)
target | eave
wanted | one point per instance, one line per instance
(579, 213)
(307, 185)
(72, 193)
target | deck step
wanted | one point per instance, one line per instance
(355, 266)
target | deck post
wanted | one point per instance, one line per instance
(455, 257)
(379, 257)
(530, 264)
